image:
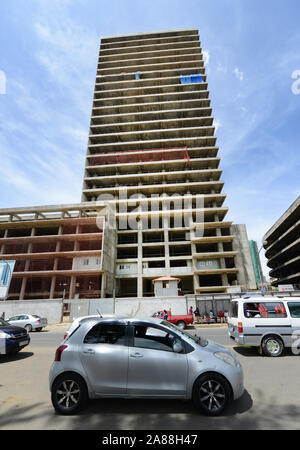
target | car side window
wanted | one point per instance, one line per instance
(107, 334)
(153, 338)
(265, 310)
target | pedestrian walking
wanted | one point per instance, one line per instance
(165, 314)
(191, 310)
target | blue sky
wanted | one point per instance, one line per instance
(48, 56)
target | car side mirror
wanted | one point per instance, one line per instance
(177, 347)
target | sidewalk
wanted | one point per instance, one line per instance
(210, 325)
(65, 325)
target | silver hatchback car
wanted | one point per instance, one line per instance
(142, 358)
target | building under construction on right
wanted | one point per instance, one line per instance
(282, 245)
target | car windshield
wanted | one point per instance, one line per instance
(197, 339)
(3, 323)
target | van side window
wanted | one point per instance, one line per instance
(294, 309)
(264, 310)
(233, 311)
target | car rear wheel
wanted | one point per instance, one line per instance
(211, 394)
(28, 328)
(69, 394)
(272, 346)
(181, 324)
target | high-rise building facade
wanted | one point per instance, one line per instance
(152, 154)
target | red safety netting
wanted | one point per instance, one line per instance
(145, 155)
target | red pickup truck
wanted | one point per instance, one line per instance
(181, 320)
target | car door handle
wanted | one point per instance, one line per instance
(136, 355)
(89, 351)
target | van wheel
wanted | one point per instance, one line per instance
(69, 394)
(211, 394)
(181, 324)
(272, 346)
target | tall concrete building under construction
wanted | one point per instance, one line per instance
(152, 151)
(152, 168)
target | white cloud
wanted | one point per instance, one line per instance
(206, 57)
(238, 74)
(217, 124)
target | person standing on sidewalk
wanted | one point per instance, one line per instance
(221, 316)
(197, 315)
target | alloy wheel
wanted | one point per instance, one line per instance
(212, 395)
(68, 394)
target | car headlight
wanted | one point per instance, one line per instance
(227, 358)
(4, 335)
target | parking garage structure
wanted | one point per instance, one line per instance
(282, 247)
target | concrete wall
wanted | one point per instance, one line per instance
(51, 309)
(135, 307)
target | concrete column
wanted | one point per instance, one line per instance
(52, 288)
(23, 288)
(140, 260)
(72, 287)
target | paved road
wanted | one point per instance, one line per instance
(271, 399)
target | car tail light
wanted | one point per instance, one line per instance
(59, 352)
(38, 320)
(65, 335)
(240, 327)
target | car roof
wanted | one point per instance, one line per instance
(119, 317)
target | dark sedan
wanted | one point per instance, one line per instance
(12, 339)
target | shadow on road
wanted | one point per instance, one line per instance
(17, 357)
(142, 406)
(253, 351)
(116, 414)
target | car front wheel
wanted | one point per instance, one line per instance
(211, 394)
(69, 394)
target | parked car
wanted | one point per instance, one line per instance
(29, 322)
(181, 320)
(12, 339)
(142, 358)
(268, 323)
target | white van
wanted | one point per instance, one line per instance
(270, 323)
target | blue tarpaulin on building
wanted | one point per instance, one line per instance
(185, 79)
